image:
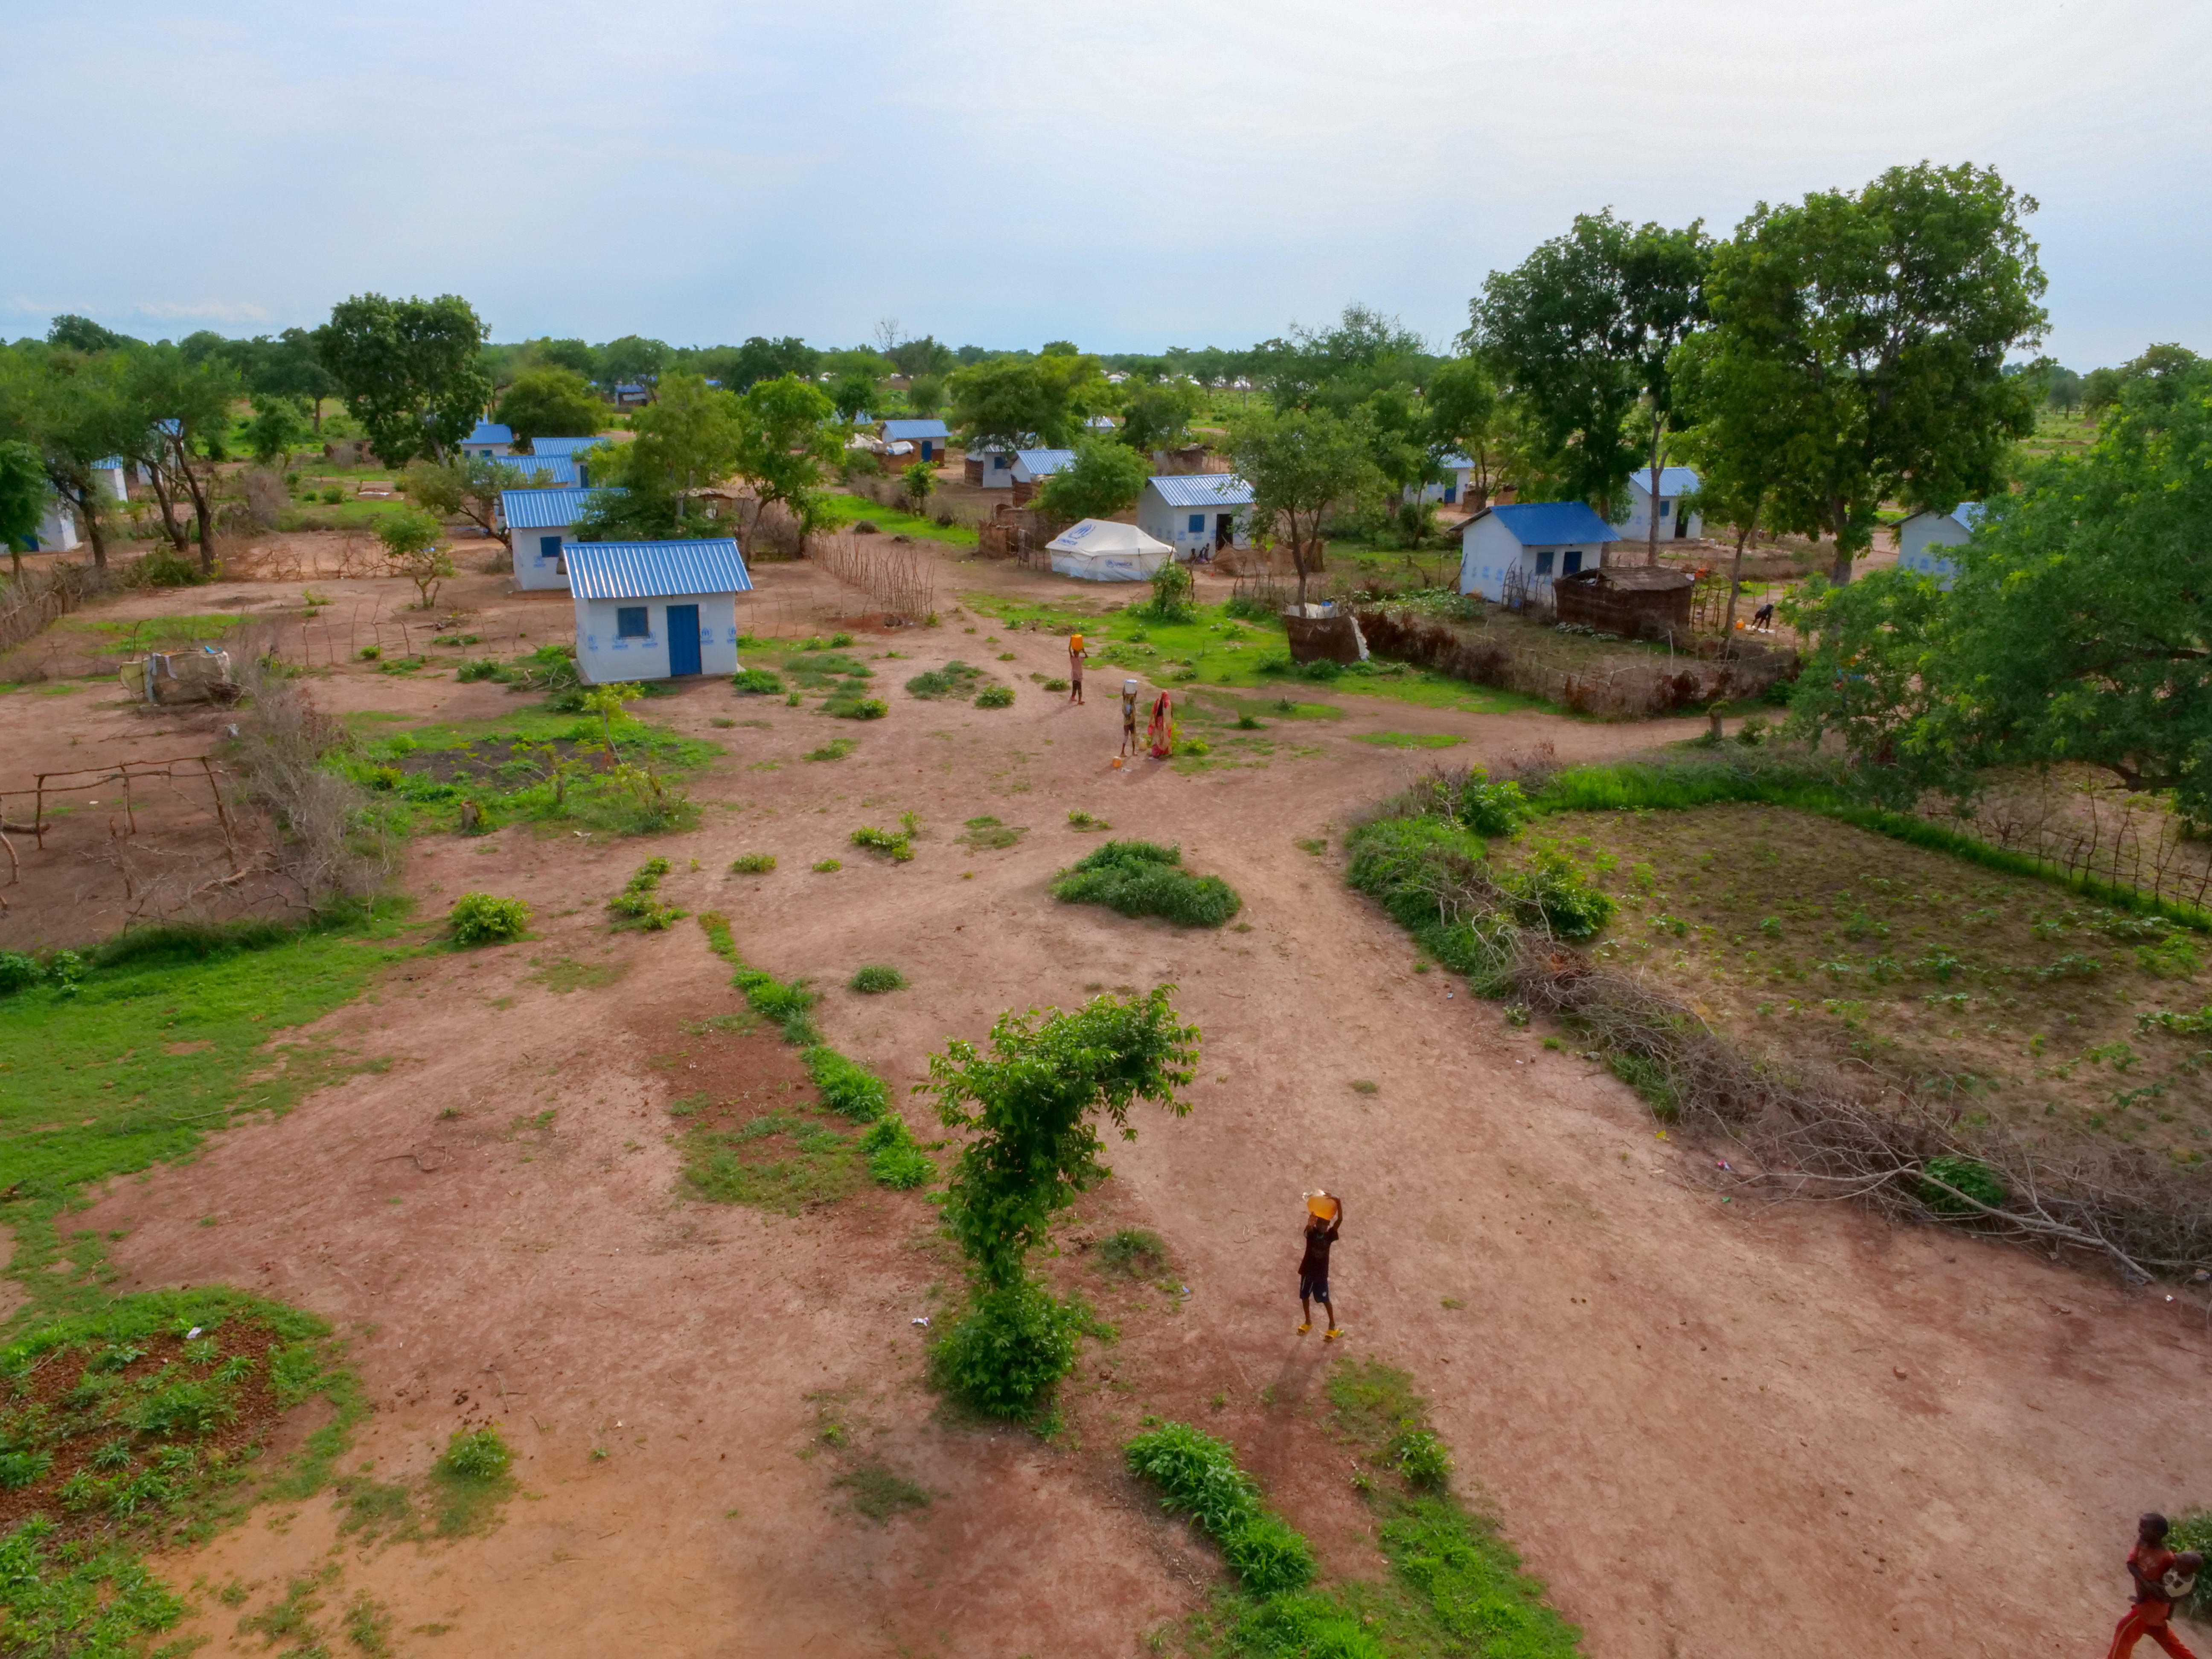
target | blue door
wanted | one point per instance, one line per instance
(928, 448)
(682, 639)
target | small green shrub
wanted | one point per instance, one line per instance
(1422, 1458)
(955, 679)
(1649, 1079)
(1970, 1176)
(1553, 893)
(896, 844)
(758, 682)
(371, 653)
(848, 1089)
(482, 1456)
(995, 696)
(850, 705)
(477, 668)
(1004, 1354)
(483, 919)
(1198, 1475)
(1142, 878)
(826, 866)
(752, 864)
(836, 749)
(1138, 1251)
(638, 905)
(877, 978)
(895, 1159)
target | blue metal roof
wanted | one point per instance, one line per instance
(910, 430)
(488, 432)
(1672, 480)
(1550, 524)
(1203, 489)
(543, 509)
(655, 570)
(561, 445)
(108, 463)
(1968, 514)
(1043, 463)
(558, 470)
(1454, 462)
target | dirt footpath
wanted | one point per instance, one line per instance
(1715, 1429)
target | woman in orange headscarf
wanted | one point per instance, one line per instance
(1162, 730)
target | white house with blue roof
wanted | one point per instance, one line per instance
(489, 441)
(1033, 466)
(1675, 524)
(539, 526)
(568, 447)
(1194, 512)
(1452, 490)
(1920, 536)
(549, 471)
(1522, 548)
(656, 610)
(929, 438)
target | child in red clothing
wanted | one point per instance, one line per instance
(2162, 1578)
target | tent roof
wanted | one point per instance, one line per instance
(1104, 536)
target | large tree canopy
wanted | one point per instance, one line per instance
(2079, 627)
(550, 403)
(1301, 463)
(1012, 403)
(784, 441)
(687, 439)
(1881, 319)
(408, 371)
(1104, 479)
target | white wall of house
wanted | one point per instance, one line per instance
(1191, 529)
(998, 468)
(538, 557)
(1674, 525)
(1489, 553)
(57, 529)
(111, 479)
(1451, 493)
(1920, 541)
(605, 653)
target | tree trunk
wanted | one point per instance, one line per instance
(1651, 518)
(319, 417)
(1735, 580)
(88, 512)
(1839, 572)
(168, 508)
(203, 517)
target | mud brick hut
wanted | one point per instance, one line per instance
(1634, 601)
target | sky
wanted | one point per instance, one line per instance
(1130, 176)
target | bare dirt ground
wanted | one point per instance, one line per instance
(1713, 1429)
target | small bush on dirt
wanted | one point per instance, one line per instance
(955, 679)
(1080, 820)
(638, 905)
(477, 668)
(848, 1089)
(848, 704)
(896, 1159)
(1553, 893)
(995, 696)
(482, 1456)
(898, 845)
(483, 919)
(759, 681)
(1968, 1176)
(1142, 878)
(1008, 1349)
(836, 749)
(470, 1481)
(1198, 1476)
(987, 833)
(752, 864)
(826, 866)
(1422, 1458)
(1138, 1251)
(877, 978)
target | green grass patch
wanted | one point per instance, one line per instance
(841, 509)
(1142, 878)
(137, 1062)
(877, 978)
(956, 680)
(564, 975)
(880, 1491)
(135, 639)
(1410, 739)
(469, 1483)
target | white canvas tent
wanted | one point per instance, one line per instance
(1100, 551)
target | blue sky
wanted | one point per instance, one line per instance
(1130, 176)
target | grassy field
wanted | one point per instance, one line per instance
(1212, 649)
(2017, 999)
(843, 509)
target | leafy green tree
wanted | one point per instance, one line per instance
(82, 334)
(1015, 403)
(1158, 414)
(1029, 1109)
(408, 371)
(468, 486)
(279, 426)
(926, 356)
(73, 410)
(785, 442)
(690, 437)
(1341, 367)
(412, 544)
(1466, 417)
(187, 410)
(917, 483)
(1581, 331)
(24, 493)
(1300, 463)
(762, 359)
(1742, 428)
(290, 368)
(1104, 479)
(2075, 629)
(850, 395)
(632, 359)
(573, 355)
(925, 395)
(550, 403)
(1891, 310)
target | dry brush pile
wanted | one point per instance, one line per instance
(1796, 1129)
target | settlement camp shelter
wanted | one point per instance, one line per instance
(1103, 551)
(1194, 512)
(1675, 524)
(1508, 553)
(656, 610)
(993, 469)
(489, 440)
(538, 524)
(927, 437)
(1921, 537)
(1033, 466)
(548, 471)
(1452, 490)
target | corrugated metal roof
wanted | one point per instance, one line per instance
(108, 463)
(488, 432)
(912, 429)
(1968, 514)
(543, 509)
(1672, 480)
(1043, 463)
(1203, 489)
(1550, 524)
(558, 469)
(1454, 462)
(654, 570)
(561, 445)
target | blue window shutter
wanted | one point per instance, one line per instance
(548, 547)
(631, 623)
(1197, 523)
(1572, 562)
